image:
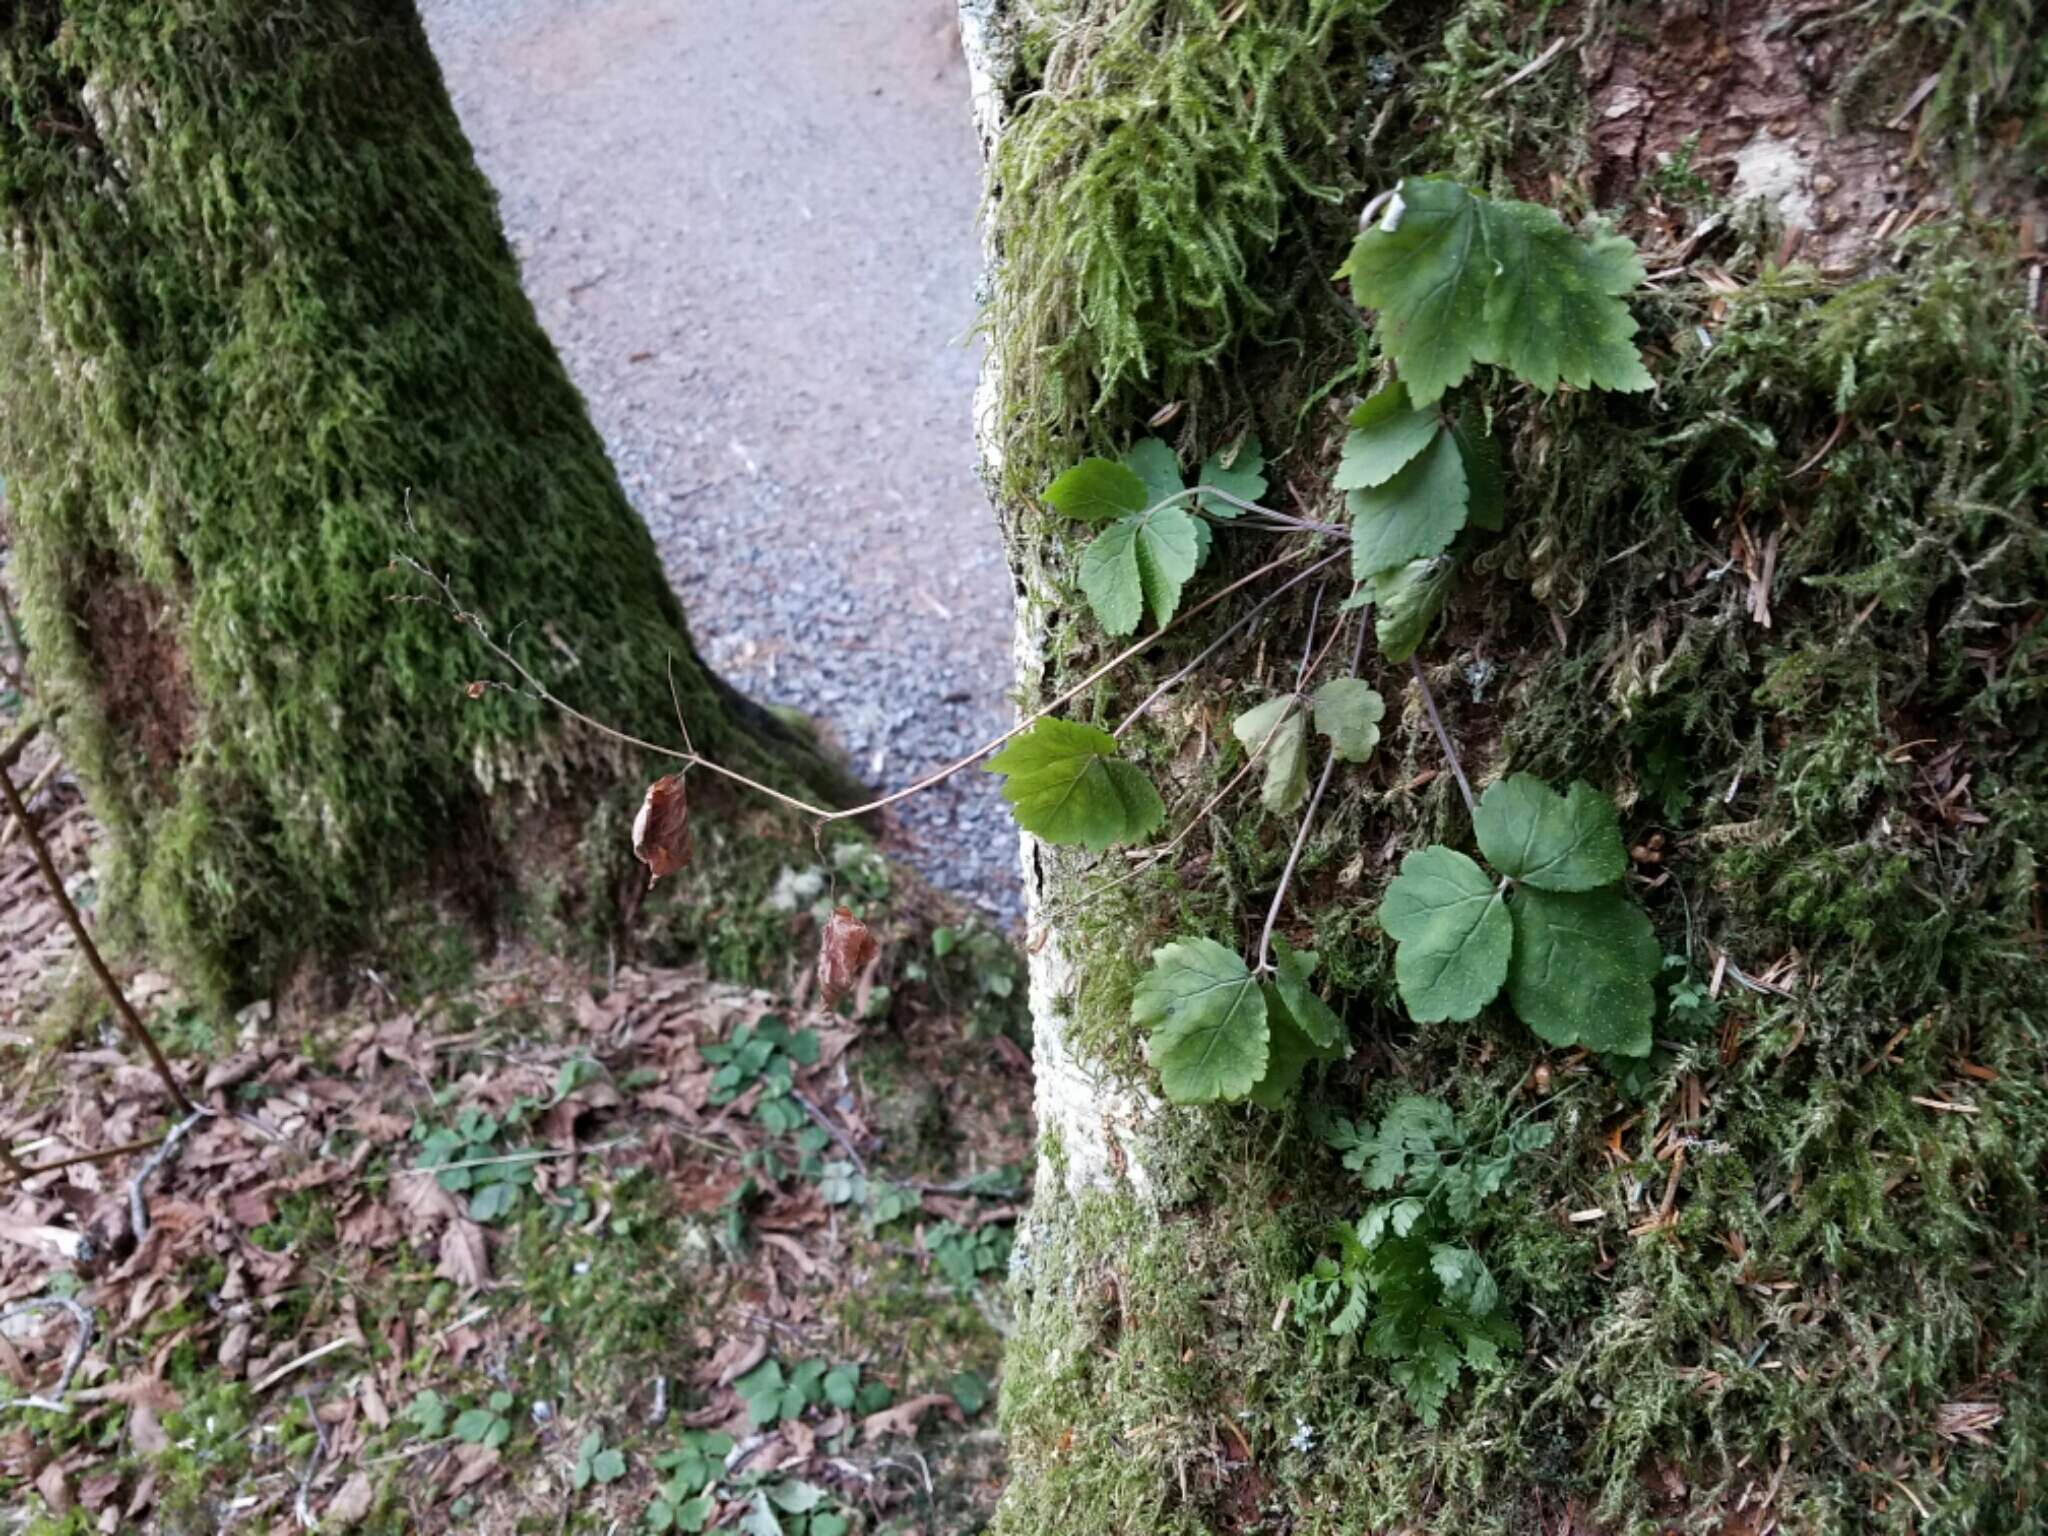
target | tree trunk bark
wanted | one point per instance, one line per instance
(262, 336)
(1784, 611)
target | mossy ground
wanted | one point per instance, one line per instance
(1787, 610)
(619, 1284)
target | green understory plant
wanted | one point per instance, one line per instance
(1406, 1271)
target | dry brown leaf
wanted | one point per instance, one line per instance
(477, 1463)
(904, 1418)
(843, 953)
(464, 1259)
(661, 832)
(353, 1502)
(54, 1484)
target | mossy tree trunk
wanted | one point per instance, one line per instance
(262, 333)
(1787, 610)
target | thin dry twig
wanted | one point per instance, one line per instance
(138, 1207)
(54, 883)
(1444, 738)
(824, 1124)
(818, 813)
(55, 1402)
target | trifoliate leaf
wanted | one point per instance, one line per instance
(1208, 1020)
(1278, 724)
(1583, 969)
(1453, 935)
(1459, 279)
(1413, 515)
(1484, 478)
(1139, 562)
(1243, 476)
(1531, 833)
(1158, 469)
(1386, 434)
(1349, 711)
(1097, 491)
(1409, 598)
(1068, 786)
(1313, 1016)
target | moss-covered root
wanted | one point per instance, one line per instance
(261, 332)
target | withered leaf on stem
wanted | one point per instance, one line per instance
(843, 954)
(661, 832)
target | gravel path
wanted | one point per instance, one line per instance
(750, 231)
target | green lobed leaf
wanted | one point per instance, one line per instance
(1414, 515)
(1067, 785)
(1140, 562)
(1207, 1018)
(1097, 491)
(1242, 476)
(1387, 432)
(1278, 726)
(1452, 933)
(1584, 969)
(1409, 598)
(1157, 467)
(1349, 711)
(1459, 279)
(1534, 835)
(1300, 1026)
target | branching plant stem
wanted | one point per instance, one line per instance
(818, 813)
(1223, 639)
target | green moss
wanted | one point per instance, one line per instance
(249, 359)
(1162, 200)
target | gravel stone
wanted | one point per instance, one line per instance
(750, 231)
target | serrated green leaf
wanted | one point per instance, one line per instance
(1459, 279)
(1243, 477)
(1387, 432)
(1278, 725)
(797, 1497)
(1067, 785)
(1157, 467)
(1534, 835)
(1140, 562)
(1207, 1019)
(608, 1466)
(1414, 515)
(1584, 969)
(1311, 1015)
(1452, 933)
(1485, 481)
(1555, 312)
(1408, 1138)
(1409, 598)
(1349, 711)
(1097, 491)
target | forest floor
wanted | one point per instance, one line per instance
(750, 231)
(501, 1245)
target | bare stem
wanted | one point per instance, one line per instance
(130, 1019)
(1308, 819)
(1444, 738)
(1221, 640)
(819, 813)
